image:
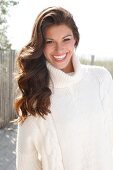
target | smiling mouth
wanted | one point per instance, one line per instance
(59, 57)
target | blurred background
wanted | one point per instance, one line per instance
(95, 24)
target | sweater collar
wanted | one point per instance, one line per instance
(59, 79)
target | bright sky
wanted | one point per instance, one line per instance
(94, 19)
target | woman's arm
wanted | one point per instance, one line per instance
(27, 155)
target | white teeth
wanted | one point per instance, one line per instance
(61, 57)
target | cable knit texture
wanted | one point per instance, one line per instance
(78, 134)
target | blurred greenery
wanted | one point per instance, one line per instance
(4, 9)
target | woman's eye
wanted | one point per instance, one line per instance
(67, 39)
(49, 42)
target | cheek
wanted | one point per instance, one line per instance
(47, 50)
(70, 47)
(44, 50)
(73, 43)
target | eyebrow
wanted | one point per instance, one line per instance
(70, 35)
(67, 36)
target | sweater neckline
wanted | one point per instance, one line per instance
(59, 79)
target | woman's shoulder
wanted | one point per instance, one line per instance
(29, 124)
(32, 123)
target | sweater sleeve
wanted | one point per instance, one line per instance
(27, 154)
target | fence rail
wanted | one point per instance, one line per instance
(7, 86)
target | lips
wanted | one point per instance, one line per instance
(59, 57)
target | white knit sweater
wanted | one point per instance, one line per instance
(78, 134)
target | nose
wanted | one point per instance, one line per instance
(59, 47)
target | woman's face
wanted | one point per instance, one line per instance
(59, 46)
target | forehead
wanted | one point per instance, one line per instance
(57, 30)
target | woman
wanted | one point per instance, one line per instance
(65, 108)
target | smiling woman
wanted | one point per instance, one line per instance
(65, 111)
(59, 47)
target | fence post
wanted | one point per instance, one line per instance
(92, 59)
(7, 90)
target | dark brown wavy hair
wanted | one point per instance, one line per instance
(33, 76)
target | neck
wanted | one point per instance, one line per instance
(69, 68)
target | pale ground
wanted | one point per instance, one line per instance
(7, 147)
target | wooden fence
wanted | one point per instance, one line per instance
(7, 86)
